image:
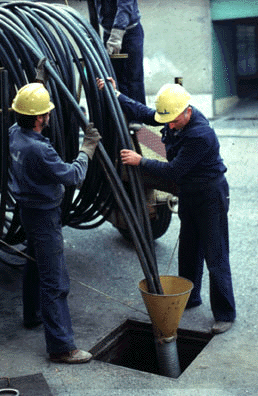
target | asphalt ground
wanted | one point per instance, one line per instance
(105, 273)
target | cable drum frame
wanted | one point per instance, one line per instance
(28, 32)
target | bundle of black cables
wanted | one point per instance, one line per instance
(75, 56)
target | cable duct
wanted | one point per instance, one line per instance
(75, 57)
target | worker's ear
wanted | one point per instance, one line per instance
(39, 118)
(189, 111)
(38, 121)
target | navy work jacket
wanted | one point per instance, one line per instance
(193, 153)
(38, 174)
(118, 14)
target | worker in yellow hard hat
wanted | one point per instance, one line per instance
(38, 180)
(195, 165)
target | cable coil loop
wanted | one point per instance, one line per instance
(76, 56)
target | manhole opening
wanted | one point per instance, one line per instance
(132, 345)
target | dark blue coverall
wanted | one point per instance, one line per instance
(38, 177)
(125, 15)
(195, 165)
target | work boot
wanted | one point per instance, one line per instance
(221, 327)
(72, 357)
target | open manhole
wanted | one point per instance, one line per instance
(132, 345)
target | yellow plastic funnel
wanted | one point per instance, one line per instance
(166, 310)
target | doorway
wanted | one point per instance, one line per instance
(246, 57)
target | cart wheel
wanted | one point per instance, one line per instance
(159, 225)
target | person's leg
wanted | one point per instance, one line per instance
(216, 245)
(190, 255)
(31, 295)
(133, 66)
(130, 72)
(44, 228)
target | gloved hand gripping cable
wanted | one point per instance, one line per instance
(90, 140)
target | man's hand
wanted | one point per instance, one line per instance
(130, 157)
(90, 141)
(101, 82)
(114, 43)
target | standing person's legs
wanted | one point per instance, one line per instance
(45, 230)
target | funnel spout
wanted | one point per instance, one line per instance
(167, 356)
(165, 313)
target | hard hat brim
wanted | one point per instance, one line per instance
(162, 118)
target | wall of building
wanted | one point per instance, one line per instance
(190, 39)
(177, 43)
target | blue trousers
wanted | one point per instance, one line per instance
(204, 236)
(129, 72)
(46, 281)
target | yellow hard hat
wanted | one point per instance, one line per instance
(32, 99)
(171, 100)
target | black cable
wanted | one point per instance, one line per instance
(74, 49)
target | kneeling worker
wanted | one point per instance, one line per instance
(38, 177)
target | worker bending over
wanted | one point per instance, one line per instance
(195, 165)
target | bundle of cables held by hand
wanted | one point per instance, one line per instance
(75, 56)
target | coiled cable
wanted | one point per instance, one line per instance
(75, 56)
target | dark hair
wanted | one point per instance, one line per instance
(26, 121)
